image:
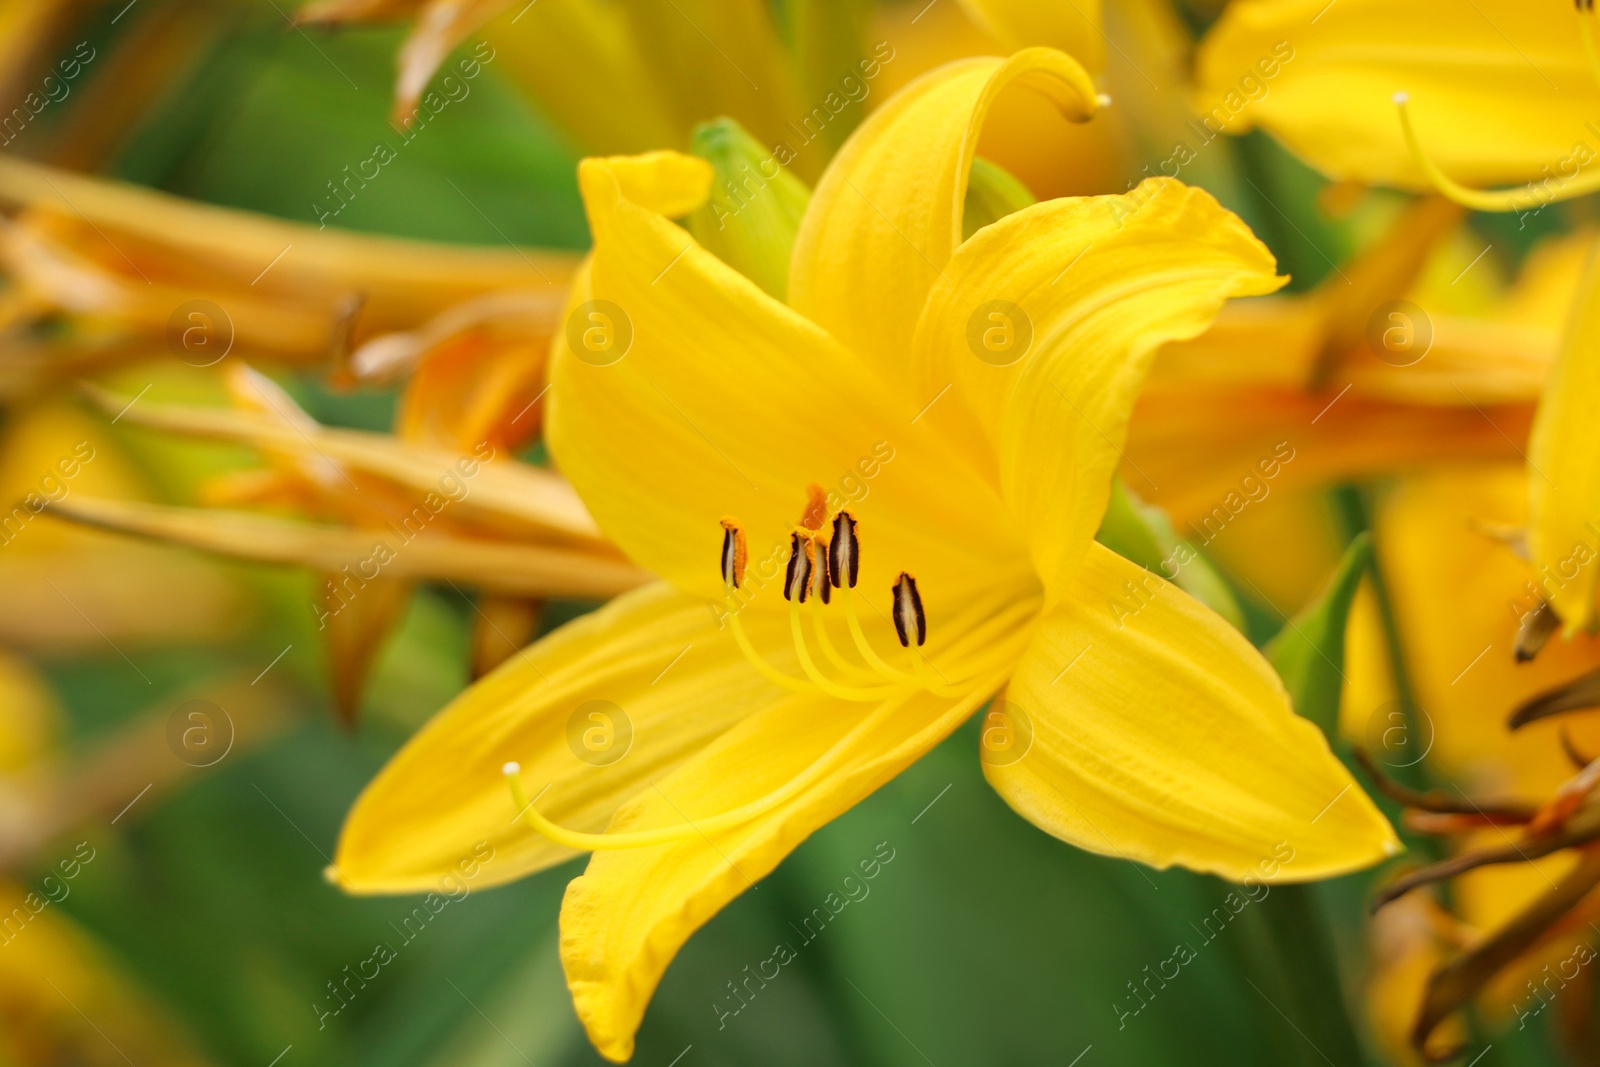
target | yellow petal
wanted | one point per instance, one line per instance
(682, 393)
(1072, 26)
(1171, 741)
(1498, 91)
(626, 917)
(710, 58)
(583, 65)
(652, 664)
(1564, 466)
(668, 183)
(886, 216)
(395, 552)
(1045, 323)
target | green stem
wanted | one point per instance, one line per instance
(1289, 956)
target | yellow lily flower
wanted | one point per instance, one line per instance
(720, 716)
(1417, 94)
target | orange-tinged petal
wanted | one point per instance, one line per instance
(511, 567)
(517, 497)
(285, 287)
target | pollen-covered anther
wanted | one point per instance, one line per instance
(909, 620)
(816, 512)
(802, 559)
(819, 541)
(735, 553)
(844, 551)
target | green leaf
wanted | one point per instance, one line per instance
(755, 207)
(1309, 652)
(992, 194)
(1143, 534)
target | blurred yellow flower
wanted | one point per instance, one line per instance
(1420, 94)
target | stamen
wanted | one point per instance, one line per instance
(819, 630)
(909, 620)
(797, 579)
(768, 671)
(823, 682)
(1534, 631)
(1486, 199)
(735, 553)
(1586, 32)
(844, 551)
(868, 653)
(877, 663)
(925, 670)
(586, 842)
(824, 586)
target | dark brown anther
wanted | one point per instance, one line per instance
(1534, 630)
(1580, 693)
(824, 586)
(844, 551)
(797, 579)
(734, 553)
(909, 621)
